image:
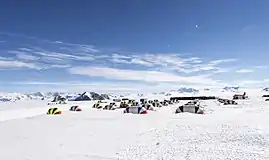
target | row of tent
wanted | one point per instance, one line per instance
(124, 103)
(141, 108)
(56, 111)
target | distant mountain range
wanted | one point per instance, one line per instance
(230, 89)
(185, 90)
(4, 97)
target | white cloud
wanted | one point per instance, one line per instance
(139, 75)
(3, 58)
(4, 64)
(27, 57)
(261, 67)
(172, 62)
(249, 83)
(88, 48)
(65, 56)
(117, 87)
(245, 71)
(154, 67)
(25, 49)
(141, 62)
(116, 58)
(70, 54)
(60, 66)
(15, 52)
(84, 86)
(193, 60)
(53, 60)
(216, 62)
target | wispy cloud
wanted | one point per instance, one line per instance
(69, 54)
(3, 58)
(250, 83)
(222, 61)
(4, 64)
(91, 61)
(27, 57)
(172, 62)
(139, 75)
(25, 49)
(117, 87)
(245, 71)
(261, 67)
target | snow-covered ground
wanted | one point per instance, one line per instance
(224, 132)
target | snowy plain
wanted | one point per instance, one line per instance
(224, 132)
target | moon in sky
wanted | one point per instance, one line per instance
(196, 26)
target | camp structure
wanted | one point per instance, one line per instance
(124, 104)
(131, 102)
(59, 100)
(148, 106)
(135, 110)
(164, 103)
(111, 106)
(190, 107)
(227, 101)
(75, 108)
(100, 104)
(156, 103)
(143, 100)
(239, 96)
(116, 100)
(54, 111)
(125, 100)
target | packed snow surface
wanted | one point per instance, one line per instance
(237, 132)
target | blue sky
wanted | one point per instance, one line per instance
(126, 45)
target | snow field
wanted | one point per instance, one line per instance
(224, 132)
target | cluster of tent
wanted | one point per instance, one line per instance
(144, 105)
(133, 106)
